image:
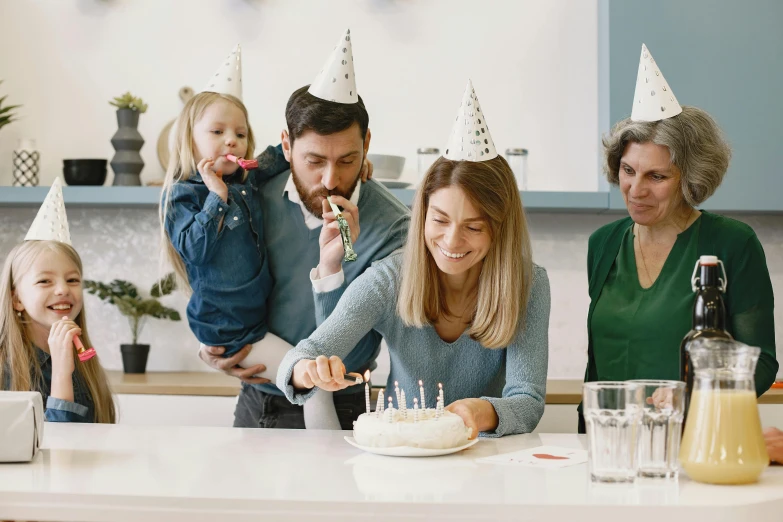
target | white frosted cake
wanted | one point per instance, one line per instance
(397, 428)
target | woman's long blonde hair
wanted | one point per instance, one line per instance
(506, 273)
(182, 165)
(17, 352)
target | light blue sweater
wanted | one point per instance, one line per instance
(465, 368)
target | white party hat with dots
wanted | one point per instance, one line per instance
(653, 99)
(51, 223)
(336, 82)
(228, 77)
(470, 139)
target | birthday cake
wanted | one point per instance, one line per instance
(391, 428)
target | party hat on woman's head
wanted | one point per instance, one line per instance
(51, 223)
(653, 99)
(336, 81)
(228, 77)
(470, 139)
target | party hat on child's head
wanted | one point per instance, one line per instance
(51, 223)
(336, 81)
(653, 99)
(228, 77)
(470, 139)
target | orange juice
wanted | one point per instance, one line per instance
(723, 443)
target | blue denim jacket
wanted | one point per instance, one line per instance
(227, 265)
(81, 409)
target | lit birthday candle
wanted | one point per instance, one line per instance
(421, 393)
(379, 404)
(415, 410)
(440, 393)
(390, 411)
(397, 393)
(403, 405)
(438, 409)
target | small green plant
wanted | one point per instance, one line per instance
(128, 101)
(126, 298)
(7, 114)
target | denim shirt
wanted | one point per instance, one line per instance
(81, 409)
(227, 265)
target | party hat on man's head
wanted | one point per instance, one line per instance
(653, 99)
(51, 223)
(228, 77)
(336, 82)
(470, 139)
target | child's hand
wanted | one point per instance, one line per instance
(212, 179)
(366, 172)
(61, 346)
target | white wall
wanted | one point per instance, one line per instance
(532, 62)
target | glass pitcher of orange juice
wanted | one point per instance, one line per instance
(723, 443)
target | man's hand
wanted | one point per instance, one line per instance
(230, 365)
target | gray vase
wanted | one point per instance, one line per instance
(127, 141)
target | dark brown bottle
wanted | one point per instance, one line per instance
(709, 317)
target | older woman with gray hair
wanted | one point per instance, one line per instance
(666, 161)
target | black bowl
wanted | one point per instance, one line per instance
(84, 171)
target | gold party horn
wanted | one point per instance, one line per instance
(345, 232)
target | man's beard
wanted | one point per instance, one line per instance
(312, 200)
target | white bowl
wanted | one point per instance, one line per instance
(386, 166)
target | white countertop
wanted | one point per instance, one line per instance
(150, 474)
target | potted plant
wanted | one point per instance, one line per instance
(127, 141)
(126, 298)
(7, 114)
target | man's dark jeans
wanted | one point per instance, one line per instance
(256, 409)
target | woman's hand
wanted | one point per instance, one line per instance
(328, 374)
(367, 168)
(662, 398)
(774, 439)
(61, 346)
(332, 252)
(212, 179)
(477, 414)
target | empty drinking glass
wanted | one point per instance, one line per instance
(613, 412)
(661, 427)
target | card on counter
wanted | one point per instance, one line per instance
(540, 457)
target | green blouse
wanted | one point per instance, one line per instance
(628, 339)
(636, 333)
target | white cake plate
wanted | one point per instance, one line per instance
(407, 451)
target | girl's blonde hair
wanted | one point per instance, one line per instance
(506, 273)
(182, 165)
(17, 352)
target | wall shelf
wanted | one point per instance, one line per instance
(110, 196)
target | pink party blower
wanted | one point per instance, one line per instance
(244, 163)
(84, 354)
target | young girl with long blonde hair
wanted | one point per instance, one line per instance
(41, 310)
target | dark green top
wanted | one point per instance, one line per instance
(636, 333)
(627, 319)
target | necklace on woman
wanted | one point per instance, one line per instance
(639, 239)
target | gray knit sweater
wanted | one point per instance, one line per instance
(513, 379)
